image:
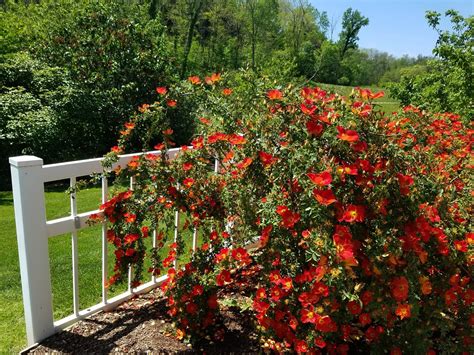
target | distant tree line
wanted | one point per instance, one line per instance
(72, 72)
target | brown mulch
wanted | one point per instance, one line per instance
(142, 325)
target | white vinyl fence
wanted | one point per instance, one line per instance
(33, 230)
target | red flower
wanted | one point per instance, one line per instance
(320, 343)
(223, 277)
(241, 255)
(289, 218)
(461, 245)
(399, 287)
(188, 182)
(159, 146)
(347, 135)
(197, 143)
(171, 103)
(210, 80)
(226, 92)
(204, 120)
(130, 238)
(222, 255)
(308, 110)
(301, 346)
(353, 213)
(116, 149)
(324, 197)
(326, 325)
(403, 311)
(194, 80)
(191, 308)
(237, 139)
(286, 283)
(130, 217)
(187, 166)
(275, 276)
(130, 252)
(373, 333)
(354, 307)
(314, 128)
(266, 158)
(320, 289)
(260, 306)
(405, 181)
(276, 293)
(197, 290)
(365, 319)
(162, 90)
(261, 293)
(274, 94)
(322, 179)
(308, 315)
(367, 94)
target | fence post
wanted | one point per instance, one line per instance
(30, 219)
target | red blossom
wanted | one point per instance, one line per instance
(223, 277)
(266, 158)
(403, 311)
(321, 179)
(171, 103)
(308, 315)
(301, 346)
(194, 80)
(314, 127)
(289, 218)
(353, 213)
(354, 307)
(405, 181)
(188, 182)
(162, 90)
(347, 134)
(324, 197)
(399, 288)
(274, 94)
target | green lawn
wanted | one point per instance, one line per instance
(387, 104)
(12, 325)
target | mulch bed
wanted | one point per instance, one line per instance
(142, 325)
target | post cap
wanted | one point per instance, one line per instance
(25, 160)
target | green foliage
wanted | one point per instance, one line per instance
(116, 57)
(447, 82)
(328, 65)
(84, 76)
(33, 100)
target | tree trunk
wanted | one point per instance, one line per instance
(189, 38)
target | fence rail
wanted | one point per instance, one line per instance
(33, 231)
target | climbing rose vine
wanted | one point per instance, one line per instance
(354, 226)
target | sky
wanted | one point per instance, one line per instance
(398, 27)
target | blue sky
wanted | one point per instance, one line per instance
(395, 26)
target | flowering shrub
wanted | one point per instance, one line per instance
(362, 221)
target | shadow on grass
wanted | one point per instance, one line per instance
(6, 199)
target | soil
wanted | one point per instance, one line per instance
(141, 325)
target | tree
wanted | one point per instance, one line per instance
(447, 84)
(352, 22)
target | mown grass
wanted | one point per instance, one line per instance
(12, 324)
(387, 103)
